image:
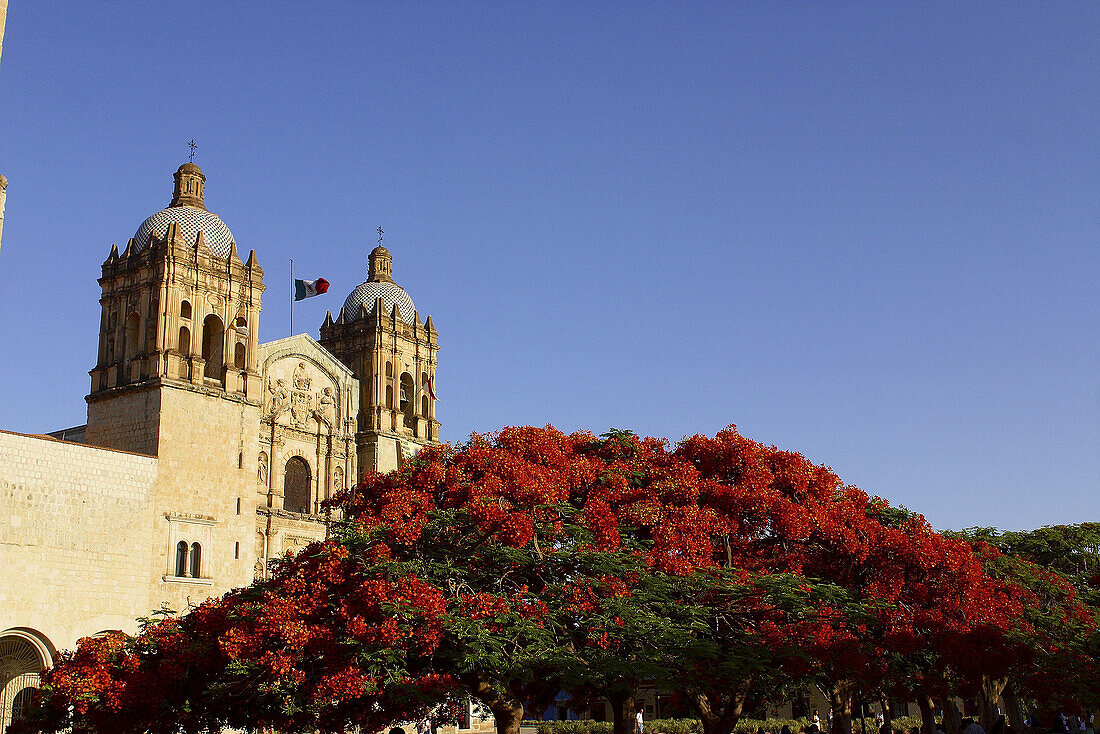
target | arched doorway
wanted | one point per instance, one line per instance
(22, 658)
(296, 481)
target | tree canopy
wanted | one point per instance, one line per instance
(530, 561)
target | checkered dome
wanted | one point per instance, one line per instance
(191, 221)
(365, 294)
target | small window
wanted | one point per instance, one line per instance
(185, 310)
(389, 369)
(185, 341)
(238, 505)
(424, 406)
(181, 558)
(196, 561)
(237, 545)
(389, 396)
(238, 356)
(241, 322)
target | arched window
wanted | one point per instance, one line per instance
(185, 341)
(185, 310)
(389, 396)
(196, 561)
(296, 481)
(424, 406)
(408, 400)
(389, 369)
(407, 390)
(133, 328)
(241, 323)
(238, 356)
(151, 334)
(181, 558)
(213, 334)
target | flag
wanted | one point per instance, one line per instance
(427, 387)
(309, 288)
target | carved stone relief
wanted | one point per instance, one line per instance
(298, 397)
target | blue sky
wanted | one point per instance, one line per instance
(862, 231)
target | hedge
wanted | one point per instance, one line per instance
(692, 726)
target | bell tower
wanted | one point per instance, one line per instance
(178, 309)
(176, 378)
(378, 334)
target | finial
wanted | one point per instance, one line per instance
(380, 233)
(193, 148)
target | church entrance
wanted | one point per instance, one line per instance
(296, 481)
(20, 664)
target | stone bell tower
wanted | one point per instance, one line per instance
(180, 310)
(176, 378)
(380, 337)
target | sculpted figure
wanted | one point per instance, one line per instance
(326, 407)
(280, 397)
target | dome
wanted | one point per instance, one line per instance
(392, 294)
(191, 221)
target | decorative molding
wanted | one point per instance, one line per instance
(190, 518)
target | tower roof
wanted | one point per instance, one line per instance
(365, 294)
(191, 221)
(189, 212)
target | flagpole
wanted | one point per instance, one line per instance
(292, 296)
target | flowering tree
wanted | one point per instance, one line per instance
(530, 561)
(322, 645)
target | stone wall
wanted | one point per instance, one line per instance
(205, 494)
(74, 537)
(127, 421)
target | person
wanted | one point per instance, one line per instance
(969, 726)
(639, 724)
(829, 718)
(817, 720)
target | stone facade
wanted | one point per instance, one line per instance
(206, 453)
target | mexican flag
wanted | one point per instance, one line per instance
(309, 288)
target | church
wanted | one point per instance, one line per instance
(207, 453)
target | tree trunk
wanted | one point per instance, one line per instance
(951, 716)
(622, 711)
(927, 714)
(725, 718)
(991, 692)
(507, 709)
(507, 717)
(1012, 708)
(840, 698)
(887, 713)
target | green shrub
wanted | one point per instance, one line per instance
(693, 726)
